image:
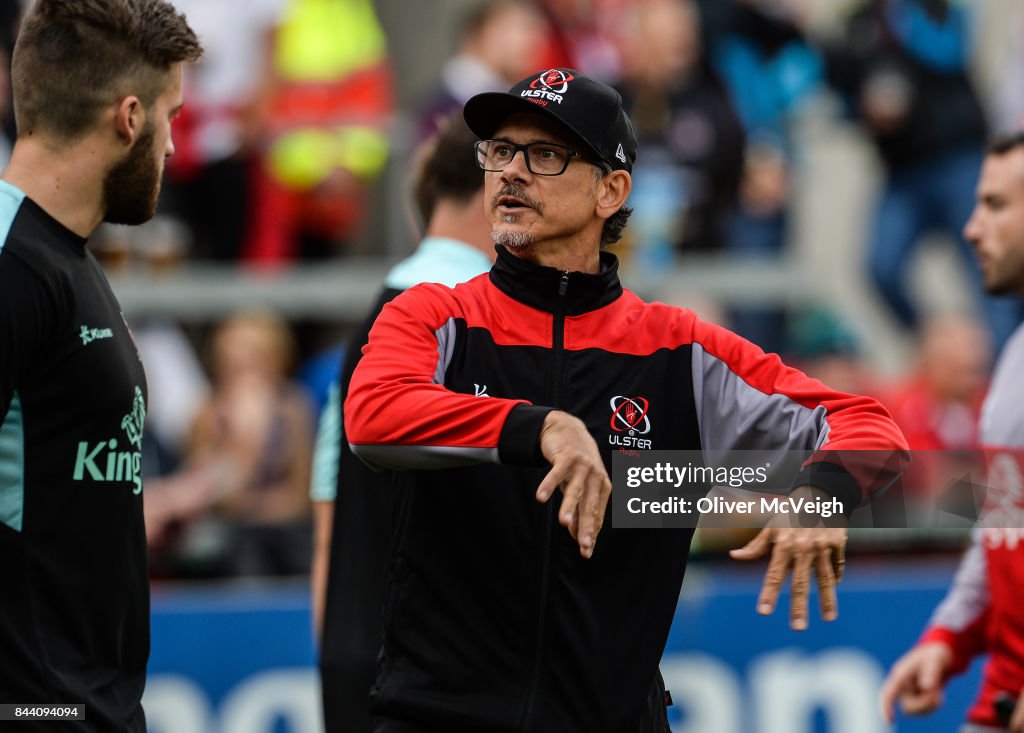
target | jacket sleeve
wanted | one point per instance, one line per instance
(961, 620)
(749, 400)
(399, 414)
(327, 448)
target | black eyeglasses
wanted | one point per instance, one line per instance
(542, 159)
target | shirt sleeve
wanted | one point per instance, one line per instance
(961, 620)
(399, 414)
(749, 400)
(327, 450)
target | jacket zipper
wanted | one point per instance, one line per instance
(558, 349)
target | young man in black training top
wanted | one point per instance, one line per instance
(96, 85)
(502, 390)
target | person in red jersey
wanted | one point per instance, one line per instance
(983, 613)
(519, 385)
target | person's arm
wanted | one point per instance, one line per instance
(955, 634)
(322, 491)
(749, 400)
(323, 526)
(1017, 719)
(398, 414)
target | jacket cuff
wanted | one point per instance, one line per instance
(950, 638)
(519, 442)
(833, 480)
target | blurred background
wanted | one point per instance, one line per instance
(805, 170)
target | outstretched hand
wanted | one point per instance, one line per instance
(576, 468)
(916, 680)
(820, 551)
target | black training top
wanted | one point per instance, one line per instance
(74, 592)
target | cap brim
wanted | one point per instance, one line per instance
(486, 112)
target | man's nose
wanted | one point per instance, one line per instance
(517, 169)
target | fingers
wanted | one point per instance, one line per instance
(802, 552)
(577, 468)
(800, 589)
(552, 481)
(585, 498)
(778, 567)
(887, 696)
(916, 681)
(827, 586)
(920, 702)
(755, 548)
(899, 685)
(571, 507)
(839, 560)
(590, 513)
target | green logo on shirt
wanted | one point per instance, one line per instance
(103, 462)
(88, 335)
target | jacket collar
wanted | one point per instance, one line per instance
(548, 289)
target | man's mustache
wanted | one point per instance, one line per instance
(517, 192)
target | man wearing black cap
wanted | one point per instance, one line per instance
(521, 383)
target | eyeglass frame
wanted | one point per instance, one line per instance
(481, 155)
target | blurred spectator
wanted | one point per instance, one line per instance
(771, 72)
(500, 42)
(582, 36)
(251, 443)
(690, 162)
(10, 20)
(938, 406)
(325, 137)
(176, 388)
(353, 505)
(902, 67)
(821, 345)
(1008, 100)
(207, 180)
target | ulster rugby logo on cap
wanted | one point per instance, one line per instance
(550, 86)
(554, 80)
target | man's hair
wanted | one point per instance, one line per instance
(1006, 143)
(74, 58)
(614, 224)
(447, 168)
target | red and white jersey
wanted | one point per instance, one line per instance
(983, 613)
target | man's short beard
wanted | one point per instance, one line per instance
(513, 241)
(131, 186)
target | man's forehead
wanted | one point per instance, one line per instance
(1004, 171)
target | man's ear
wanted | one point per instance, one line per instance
(612, 193)
(129, 118)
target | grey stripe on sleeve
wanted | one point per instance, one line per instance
(732, 415)
(400, 457)
(968, 597)
(445, 349)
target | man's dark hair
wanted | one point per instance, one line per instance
(1006, 143)
(614, 224)
(447, 168)
(74, 58)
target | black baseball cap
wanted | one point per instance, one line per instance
(588, 108)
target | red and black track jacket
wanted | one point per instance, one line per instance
(493, 621)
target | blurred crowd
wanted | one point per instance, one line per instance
(294, 115)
